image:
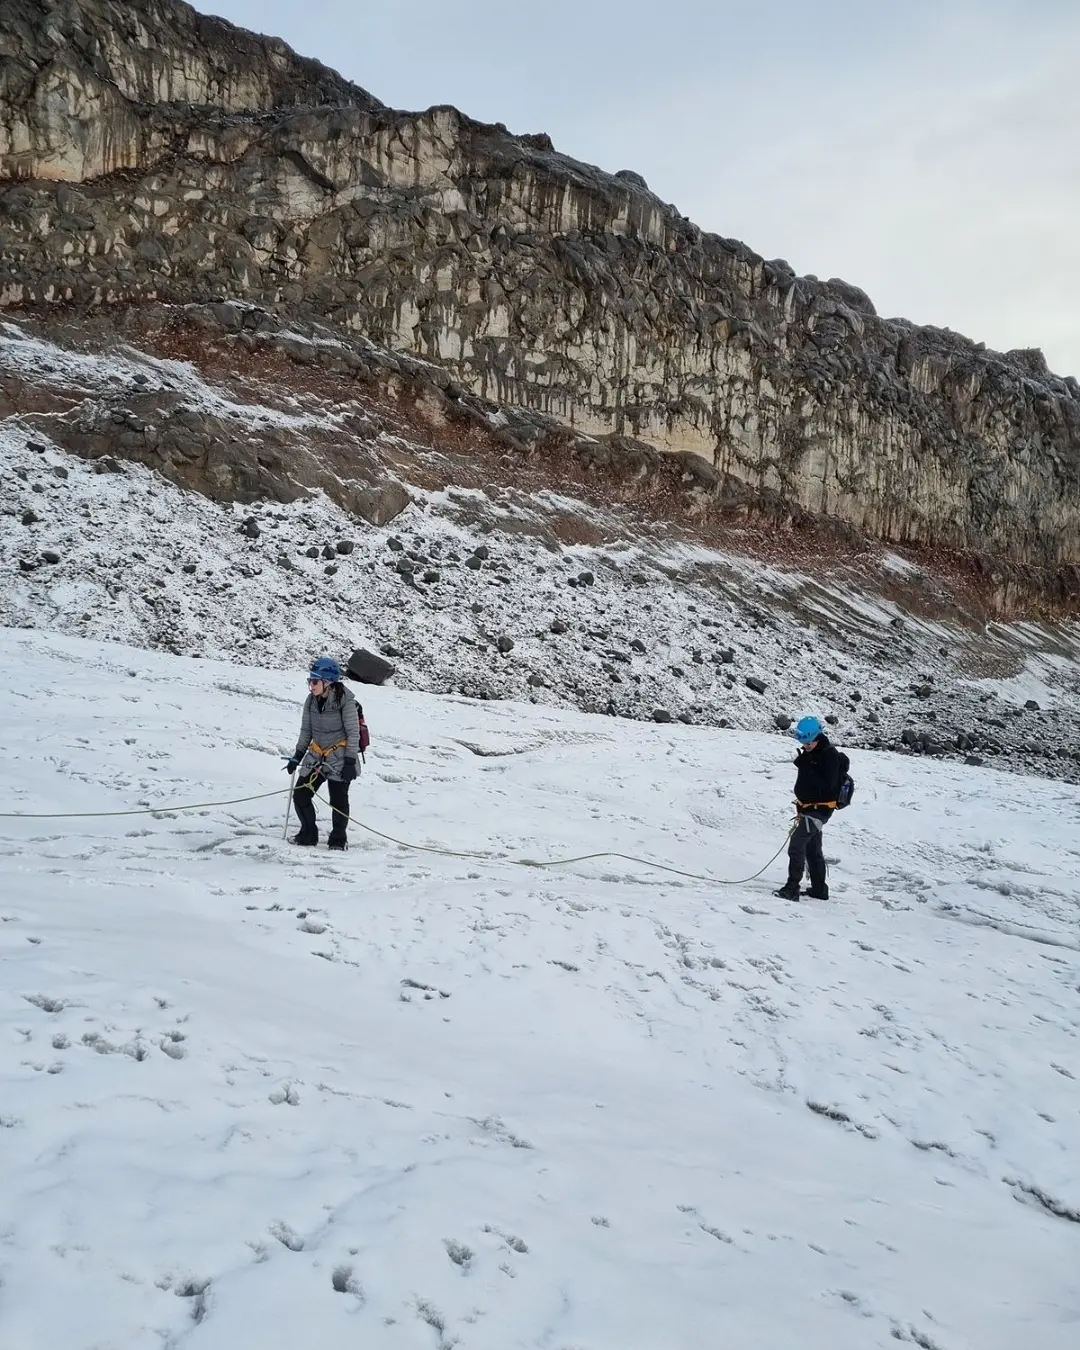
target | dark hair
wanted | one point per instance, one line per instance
(334, 689)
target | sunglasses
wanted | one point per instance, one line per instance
(316, 679)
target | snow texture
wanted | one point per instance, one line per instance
(252, 1095)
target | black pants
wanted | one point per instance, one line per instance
(304, 801)
(805, 852)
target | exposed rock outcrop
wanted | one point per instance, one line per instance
(149, 153)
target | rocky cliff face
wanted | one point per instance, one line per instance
(149, 153)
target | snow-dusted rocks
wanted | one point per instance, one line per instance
(665, 622)
(765, 385)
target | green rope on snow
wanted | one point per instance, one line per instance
(401, 843)
(141, 811)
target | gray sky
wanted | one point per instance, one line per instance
(926, 150)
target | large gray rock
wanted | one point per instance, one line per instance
(367, 668)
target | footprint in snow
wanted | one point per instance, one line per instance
(458, 1253)
(285, 1236)
(171, 1044)
(343, 1281)
(45, 1003)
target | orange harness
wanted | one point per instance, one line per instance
(323, 754)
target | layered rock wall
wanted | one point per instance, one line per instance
(147, 152)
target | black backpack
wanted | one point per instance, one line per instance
(846, 790)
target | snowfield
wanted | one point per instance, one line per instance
(256, 1096)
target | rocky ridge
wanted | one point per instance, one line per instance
(488, 591)
(156, 156)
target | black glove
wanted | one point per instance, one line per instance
(292, 766)
(348, 771)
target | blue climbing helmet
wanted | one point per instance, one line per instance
(808, 729)
(325, 668)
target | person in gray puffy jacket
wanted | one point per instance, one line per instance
(328, 751)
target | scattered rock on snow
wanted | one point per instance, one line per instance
(367, 668)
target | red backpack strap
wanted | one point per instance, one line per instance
(365, 735)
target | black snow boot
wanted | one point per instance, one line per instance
(787, 891)
(340, 844)
(306, 839)
(817, 893)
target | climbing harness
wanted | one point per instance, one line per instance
(324, 754)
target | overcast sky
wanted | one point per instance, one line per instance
(926, 150)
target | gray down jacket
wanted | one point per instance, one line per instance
(330, 724)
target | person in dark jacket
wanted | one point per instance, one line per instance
(816, 786)
(326, 752)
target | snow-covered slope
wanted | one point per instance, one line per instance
(254, 1096)
(473, 592)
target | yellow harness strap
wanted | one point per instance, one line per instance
(814, 806)
(318, 750)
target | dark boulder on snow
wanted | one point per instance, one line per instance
(367, 668)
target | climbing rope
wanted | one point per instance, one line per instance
(401, 843)
(141, 811)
